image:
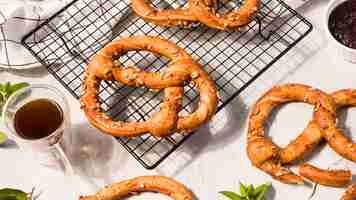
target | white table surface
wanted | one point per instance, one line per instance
(214, 159)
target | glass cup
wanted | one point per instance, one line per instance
(51, 150)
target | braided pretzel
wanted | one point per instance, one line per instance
(181, 69)
(165, 185)
(168, 17)
(267, 156)
(235, 19)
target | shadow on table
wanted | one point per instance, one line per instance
(342, 119)
(297, 57)
(271, 193)
(32, 72)
(9, 144)
(310, 5)
(208, 138)
(95, 155)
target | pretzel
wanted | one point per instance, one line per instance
(350, 193)
(266, 155)
(165, 185)
(181, 69)
(235, 19)
(335, 136)
(334, 178)
(167, 17)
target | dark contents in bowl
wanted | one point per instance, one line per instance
(342, 23)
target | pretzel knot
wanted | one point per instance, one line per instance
(266, 155)
(232, 20)
(203, 11)
(166, 17)
(181, 70)
(335, 136)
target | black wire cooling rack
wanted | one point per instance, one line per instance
(234, 59)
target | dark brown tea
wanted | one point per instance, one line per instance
(38, 118)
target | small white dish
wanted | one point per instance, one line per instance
(347, 53)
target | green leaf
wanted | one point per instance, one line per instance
(12, 194)
(261, 190)
(7, 87)
(243, 190)
(250, 190)
(231, 195)
(2, 87)
(3, 137)
(15, 87)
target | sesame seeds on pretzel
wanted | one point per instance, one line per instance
(166, 17)
(350, 193)
(267, 156)
(335, 136)
(162, 184)
(333, 178)
(181, 70)
(232, 20)
(203, 11)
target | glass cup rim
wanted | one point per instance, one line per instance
(31, 86)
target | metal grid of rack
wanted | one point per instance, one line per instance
(234, 59)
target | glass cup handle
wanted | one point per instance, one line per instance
(68, 168)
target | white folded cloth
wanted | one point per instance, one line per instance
(17, 18)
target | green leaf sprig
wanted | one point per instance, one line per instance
(248, 192)
(3, 137)
(15, 194)
(6, 90)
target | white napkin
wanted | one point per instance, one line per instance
(21, 16)
(17, 18)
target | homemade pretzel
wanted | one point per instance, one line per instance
(182, 69)
(167, 17)
(164, 185)
(267, 156)
(334, 178)
(235, 19)
(339, 142)
(350, 193)
(335, 136)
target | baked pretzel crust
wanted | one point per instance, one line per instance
(335, 136)
(235, 19)
(350, 193)
(164, 185)
(167, 17)
(181, 69)
(267, 156)
(333, 178)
